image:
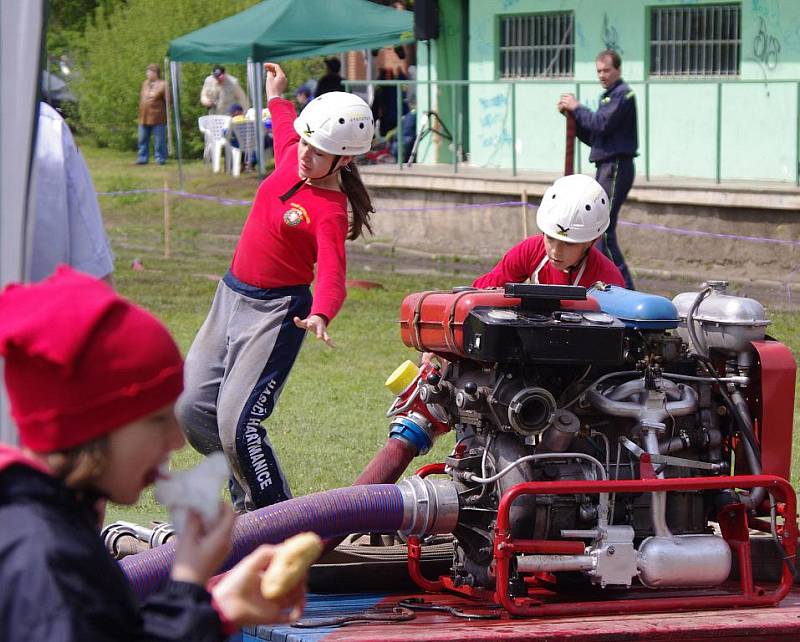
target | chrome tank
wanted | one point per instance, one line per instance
(724, 322)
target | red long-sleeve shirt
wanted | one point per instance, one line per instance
(520, 262)
(282, 241)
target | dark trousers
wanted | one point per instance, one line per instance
(616, 177)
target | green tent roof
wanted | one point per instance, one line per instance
(282, 29)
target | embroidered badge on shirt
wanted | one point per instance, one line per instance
(295, 215)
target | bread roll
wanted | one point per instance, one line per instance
(289, 564)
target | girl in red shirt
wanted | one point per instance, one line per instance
(573, 214)
(243, 353)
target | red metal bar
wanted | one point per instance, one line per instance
(733, 521)
(775, 484)
(414, 567)
(430, 469)
(544, 546)
(733, 524)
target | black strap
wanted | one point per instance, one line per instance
(333, 165)
(293, 190)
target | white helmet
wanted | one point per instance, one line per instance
(338, 123)
(574, 209)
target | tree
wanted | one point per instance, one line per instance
(118, 47)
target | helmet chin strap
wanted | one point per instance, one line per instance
(580, 261)
(336, 160)
(302, 181)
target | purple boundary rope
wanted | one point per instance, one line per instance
(471, 206)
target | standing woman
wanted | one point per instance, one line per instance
(243, 353)
(153, 116)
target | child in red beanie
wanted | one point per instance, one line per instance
(92, 381)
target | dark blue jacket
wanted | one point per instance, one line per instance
(611, 130)
(57, 582)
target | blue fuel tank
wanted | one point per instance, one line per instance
(636, 309)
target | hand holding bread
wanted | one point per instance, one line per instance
(290, 562)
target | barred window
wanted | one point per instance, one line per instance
(541, 45)
(695, 41)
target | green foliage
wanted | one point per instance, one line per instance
(67, 20)
(116, 50)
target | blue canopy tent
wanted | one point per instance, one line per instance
(276, 30)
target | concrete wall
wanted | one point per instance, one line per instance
(679, 121)
(700, 233)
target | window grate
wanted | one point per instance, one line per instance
(537, 46)
(695, 41)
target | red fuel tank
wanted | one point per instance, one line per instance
(433, 321)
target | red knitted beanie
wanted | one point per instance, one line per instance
(81, 361)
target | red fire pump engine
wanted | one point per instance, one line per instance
(612, 442)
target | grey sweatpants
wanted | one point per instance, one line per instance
(235, 371)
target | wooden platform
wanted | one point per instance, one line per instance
(760, 624)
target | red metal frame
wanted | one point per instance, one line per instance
(733, 521)
(773, 408)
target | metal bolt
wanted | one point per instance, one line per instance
(611, 550)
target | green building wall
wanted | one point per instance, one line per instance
(728, 129)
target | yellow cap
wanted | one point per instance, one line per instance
(402, 377)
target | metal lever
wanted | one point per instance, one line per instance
(396, 614)
(668, 460)
(418, 604)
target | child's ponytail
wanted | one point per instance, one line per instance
(357, 194)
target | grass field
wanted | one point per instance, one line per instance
(331, 416)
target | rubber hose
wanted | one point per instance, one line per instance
(388, 464)
(386, 467)
(333, 513)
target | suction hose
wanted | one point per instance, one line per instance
(386, 467)
(372, 504)
(415, 505)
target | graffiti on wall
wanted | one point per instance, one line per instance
(610, 36)
(494, 122)
(766, 47)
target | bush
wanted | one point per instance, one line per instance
(116, 50)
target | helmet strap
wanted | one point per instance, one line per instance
(333, 165)
(580, 262)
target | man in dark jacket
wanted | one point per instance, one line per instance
(611, 133)
(331, 81)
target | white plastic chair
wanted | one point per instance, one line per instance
(213, 129)
(245, 132)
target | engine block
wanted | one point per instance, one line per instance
(551, 385)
